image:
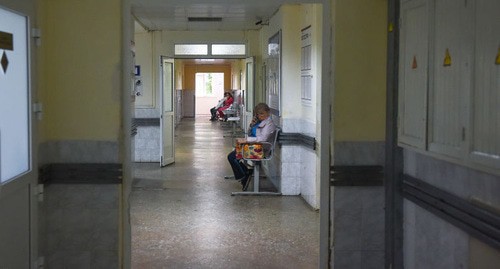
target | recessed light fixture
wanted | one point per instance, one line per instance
(204, 19)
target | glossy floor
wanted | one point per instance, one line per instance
(183, 215)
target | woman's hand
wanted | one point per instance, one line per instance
(240, 140)
(254, 121)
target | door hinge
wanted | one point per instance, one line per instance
(40, 262)
(38, 110)
(330, 114)
(36, 33)
(39, 192)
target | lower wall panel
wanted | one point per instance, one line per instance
(80, 226)
(431, 242)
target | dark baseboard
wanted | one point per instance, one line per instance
(81, 173)
(297, 139)
(357, 175)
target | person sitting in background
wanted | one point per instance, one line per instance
(260, 130)
(227, 103)
(220, 104)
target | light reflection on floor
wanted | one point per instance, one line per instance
(184, 217)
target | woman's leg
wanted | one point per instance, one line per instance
(213, 111)
(239, 170)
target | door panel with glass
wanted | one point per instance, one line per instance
(18, 205)
(167, 114)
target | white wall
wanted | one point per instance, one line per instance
(300, 165)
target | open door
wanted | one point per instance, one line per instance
(18, 177)
(249, 90)
(167, 121)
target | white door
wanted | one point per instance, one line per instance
(249, 89)
(167, 112)
(18, 184)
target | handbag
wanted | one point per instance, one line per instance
(254, 151)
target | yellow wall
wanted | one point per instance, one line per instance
(190, 71)
(179, 74)
(236, 71)
(290, 61)
(80, 92)
(360, 63)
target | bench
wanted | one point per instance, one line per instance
(232, 117)
(234, 122)
(257, 166)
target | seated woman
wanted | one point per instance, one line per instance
(220, 104)
(227, 103)
(261, 129)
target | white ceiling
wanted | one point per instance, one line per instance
(235, 14)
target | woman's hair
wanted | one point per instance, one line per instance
(228, 94)
(262, 107)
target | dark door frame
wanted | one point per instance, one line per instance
(393, 153)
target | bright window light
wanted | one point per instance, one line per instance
(191, 49)
(209, 84)
(228, 49)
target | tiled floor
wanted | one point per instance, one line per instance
(183, 215)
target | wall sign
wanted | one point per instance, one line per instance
(6, 43)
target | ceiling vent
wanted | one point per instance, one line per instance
(205, 19)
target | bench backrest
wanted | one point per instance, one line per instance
(273, 143)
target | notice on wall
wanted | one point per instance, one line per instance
(6, 41)
(306, 71)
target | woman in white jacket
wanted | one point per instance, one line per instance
(261, 129)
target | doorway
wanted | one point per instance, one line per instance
(204, 82)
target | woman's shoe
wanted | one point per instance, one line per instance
(249, 164)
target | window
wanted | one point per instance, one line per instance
(209, 84)
(228, 49)
(191, 49)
